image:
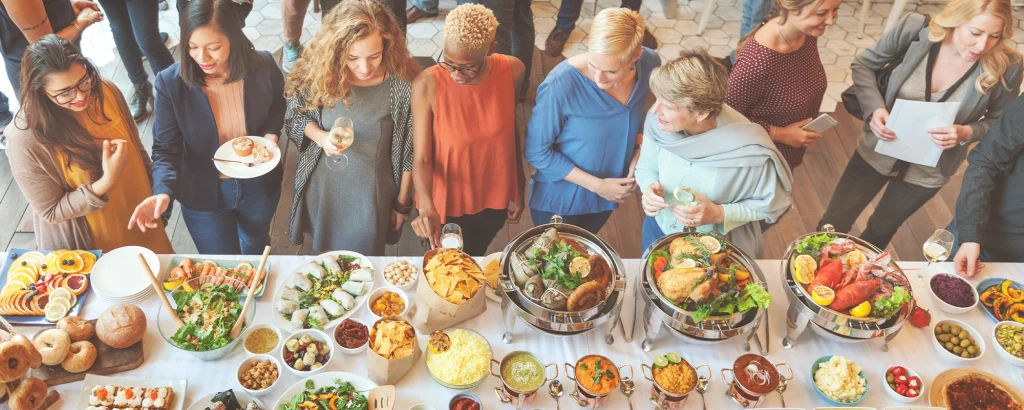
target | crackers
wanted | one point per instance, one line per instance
(454, 276)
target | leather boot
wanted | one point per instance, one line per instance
(140, 100)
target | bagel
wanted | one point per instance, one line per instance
(79, 329)
(53, 345)
(80, 357)
(29, 394)
(16, 357)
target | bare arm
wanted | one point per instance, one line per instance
(428, 223)
(30, 16)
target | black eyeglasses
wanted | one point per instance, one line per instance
(69, 94)
(468, 72)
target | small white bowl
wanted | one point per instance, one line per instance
(897, 396)
(263, 326)
(422, 406)
(1000, 350)
(344, 349)
(946, 307)
(249, 363)
(316, 335)
(978, 340)
(407, 286)
(380, 291)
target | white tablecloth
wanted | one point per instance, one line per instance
(911, 348)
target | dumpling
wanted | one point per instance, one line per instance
(332, 307)
(329, 262)
(318, 315)
(310, 268)
(285, 306)
(355, 288)
(342, 297)
(299, 281)
(299, 318)
(290, 294)
(361, 275)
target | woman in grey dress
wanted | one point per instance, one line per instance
(356, 67)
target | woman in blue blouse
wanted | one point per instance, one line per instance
(582, 138)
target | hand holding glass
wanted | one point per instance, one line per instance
(341, 136)
(937, 247)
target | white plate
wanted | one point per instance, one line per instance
(241, 171)
(243, 399)
(490, 292)
(364, 262)
(361, 384)
(117, 274)
(91, 380)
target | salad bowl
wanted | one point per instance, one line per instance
(200, 294)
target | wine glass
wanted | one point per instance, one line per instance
(937, 247)
(684, 196)
(451, 236)
(342, 137)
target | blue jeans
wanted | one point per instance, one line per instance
(591, 222)
(135, 24)
(569, 12)
(650, 233)
(241, 222)
(754, 13)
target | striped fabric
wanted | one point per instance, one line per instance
(296, 120)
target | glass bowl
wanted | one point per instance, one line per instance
(167, 327)
(490, 355)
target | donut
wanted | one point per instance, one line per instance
(29, 394)
(16, 357)
(80, 357)
(78, 328)
(53, 345)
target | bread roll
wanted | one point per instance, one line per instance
(121, 326)
(78, 328)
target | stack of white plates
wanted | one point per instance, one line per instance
(118, 277)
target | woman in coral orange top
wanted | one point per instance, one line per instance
(467, 160)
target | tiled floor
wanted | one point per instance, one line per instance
(837, 48)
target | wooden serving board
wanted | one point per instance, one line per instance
(108, 361)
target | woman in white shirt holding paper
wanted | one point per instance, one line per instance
(961, 55)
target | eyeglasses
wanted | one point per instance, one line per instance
(450, 68)
(69, 94)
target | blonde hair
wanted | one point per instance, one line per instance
(995, 60)
(694, 81)
(470, 27)
(778, 7)
(322, 72)
(617, 32)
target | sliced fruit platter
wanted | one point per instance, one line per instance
(181, 269)
(1002, 299)
(848, 279)
(42, 287)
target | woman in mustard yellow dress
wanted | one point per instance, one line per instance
(76, 154)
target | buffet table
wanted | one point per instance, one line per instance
(911, 348)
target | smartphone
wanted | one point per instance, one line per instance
(823, 123)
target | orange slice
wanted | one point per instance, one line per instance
(70, 262)
(88, 259)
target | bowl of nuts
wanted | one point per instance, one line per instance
(259, 374)
(401, 273)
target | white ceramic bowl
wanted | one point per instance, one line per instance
(422, 406)
(1014, 360)
(411, 284)
(380, 291)
(978, 340)
(897, 396)
(316, 335)
(946, 307)
(344, 349)
(263, 326)
(249, 362)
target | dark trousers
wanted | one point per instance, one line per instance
(479, 229)
(591, 222)
(135, 24)
(858, 186)
(649, 233)
(241, 222)
(570, 10)
(515, 35)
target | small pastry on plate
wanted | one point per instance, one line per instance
(242, 146)
(262, 154)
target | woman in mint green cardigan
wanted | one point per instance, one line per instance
(693, 140)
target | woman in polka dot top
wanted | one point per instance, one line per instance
(778, 80)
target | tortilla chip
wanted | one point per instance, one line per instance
(491, 273)
(453, 276)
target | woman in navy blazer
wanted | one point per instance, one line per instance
(221, 89)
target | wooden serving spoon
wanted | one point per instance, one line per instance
(237, 328)
(160, 292)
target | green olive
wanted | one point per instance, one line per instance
(938, 330)
(954, 340)
(965, 355)
(949, 346)
(965, 343)
(957, 350)
(972, 349)
(944, 338)
(945, 328)
(954, 329)
(963, 334)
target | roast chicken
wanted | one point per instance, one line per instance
(680, 284)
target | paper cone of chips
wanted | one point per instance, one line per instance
(393, 350)
(450, 290)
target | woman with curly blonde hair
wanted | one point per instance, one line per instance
(961, 55)
(357, 67)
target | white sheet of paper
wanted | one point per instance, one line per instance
(911, 120)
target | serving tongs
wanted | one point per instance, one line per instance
(237, 328)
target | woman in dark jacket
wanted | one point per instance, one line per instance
(221, 89)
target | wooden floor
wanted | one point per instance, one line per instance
(813, 186)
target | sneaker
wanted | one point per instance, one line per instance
(292, 51)
(555, 43)
(140, 100)
(414, 13)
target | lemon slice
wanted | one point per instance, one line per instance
(580, 265)
(244, 265)
(12, 287)
(63, 302)
(55, 311)
(172, 284)
(711, 244)
(823, 295)
(803, 269)
(34, 258)
(854, 259)
(687, 263)
(861, 310)
(61, 293)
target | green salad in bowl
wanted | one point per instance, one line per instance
(208, 307)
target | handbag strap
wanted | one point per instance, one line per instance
(932, 55)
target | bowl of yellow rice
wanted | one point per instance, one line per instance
(464, 364)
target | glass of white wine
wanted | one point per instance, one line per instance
(451, 236)
(685, 196)
(342, 137)
(937, 247)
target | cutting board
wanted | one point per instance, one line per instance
(108, 361)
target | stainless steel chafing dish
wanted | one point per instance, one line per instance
(515, 303)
